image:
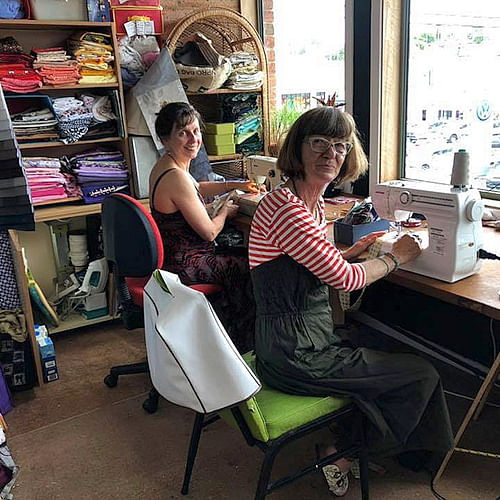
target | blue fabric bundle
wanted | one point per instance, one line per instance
(12, 9)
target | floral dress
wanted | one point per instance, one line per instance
(195, 260)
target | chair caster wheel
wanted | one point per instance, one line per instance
(111, 380)
(150, 405)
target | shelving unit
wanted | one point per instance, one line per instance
(229, 32)
(43, 34)
(75, 321)
(52, 144)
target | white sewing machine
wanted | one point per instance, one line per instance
(263, 170)
(454, 229)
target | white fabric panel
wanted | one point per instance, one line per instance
(192, 360)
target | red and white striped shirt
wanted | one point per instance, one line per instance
(282, 225)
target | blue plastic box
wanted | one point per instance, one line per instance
(349, 234)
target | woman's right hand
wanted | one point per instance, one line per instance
(230, 209)
(406, 248)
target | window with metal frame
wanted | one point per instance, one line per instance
(450, 100)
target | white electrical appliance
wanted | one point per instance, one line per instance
(263, 170)
(454, 229)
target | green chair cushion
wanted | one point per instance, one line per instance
(271, 413)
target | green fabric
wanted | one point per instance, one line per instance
(271, 413)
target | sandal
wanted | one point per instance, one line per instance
(337, 481)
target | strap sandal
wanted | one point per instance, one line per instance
(338, 483)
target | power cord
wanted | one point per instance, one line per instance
(483, 254)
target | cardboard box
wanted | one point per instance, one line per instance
(59, 10)
(349, 234)
(218, 139)
(226, 149)
(46, 348)
(219, 128)
(49, 369)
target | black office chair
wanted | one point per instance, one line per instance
(134, 249)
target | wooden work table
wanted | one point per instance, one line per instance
(478, 292)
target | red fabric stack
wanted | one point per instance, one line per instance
(16, 73)
(56, 67)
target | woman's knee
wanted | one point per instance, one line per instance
(424, 370)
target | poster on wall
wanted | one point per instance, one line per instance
(98, 11)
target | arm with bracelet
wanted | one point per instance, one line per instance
(404, 250)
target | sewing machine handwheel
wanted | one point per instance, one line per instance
(474, 210)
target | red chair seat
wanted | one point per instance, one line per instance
(136, 288)
(206, 288)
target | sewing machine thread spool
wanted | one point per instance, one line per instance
(460, 172)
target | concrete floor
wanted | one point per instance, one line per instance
(76, 438)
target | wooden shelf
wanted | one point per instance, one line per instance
(56, 202)
(62, 211)
(79, 86)
(34, 24)
(45, 214)
(78, 321)
(51, 144)
(225, 91)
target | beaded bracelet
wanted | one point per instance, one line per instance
(394, 259)
(386, 265)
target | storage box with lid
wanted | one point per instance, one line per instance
(59, 10)
(219, 138)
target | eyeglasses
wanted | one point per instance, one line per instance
(321, 145)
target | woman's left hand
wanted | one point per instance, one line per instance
(361, 245)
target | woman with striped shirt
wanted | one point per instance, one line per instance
(292, 264)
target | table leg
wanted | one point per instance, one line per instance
(479, 399)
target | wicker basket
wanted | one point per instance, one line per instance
(231, 169)
(230, 32)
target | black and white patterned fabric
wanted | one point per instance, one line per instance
(9, 295)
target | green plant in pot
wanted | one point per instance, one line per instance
(281, 121)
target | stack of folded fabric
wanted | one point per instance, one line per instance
(100, 173)
(104, 121)
(73, 118)
(16, 209)
(245, 74)
(94, 54)
(243, 110)
(35, 125)
(55, 66)
(45, 179)
(16, 73)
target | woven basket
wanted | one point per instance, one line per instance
(230, 32)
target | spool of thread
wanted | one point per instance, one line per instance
(460, 172)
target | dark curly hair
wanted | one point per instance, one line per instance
(175, 114)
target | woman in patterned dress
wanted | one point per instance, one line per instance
(292, 264)
(188, 233)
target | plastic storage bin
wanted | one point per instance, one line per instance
(59, 10)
